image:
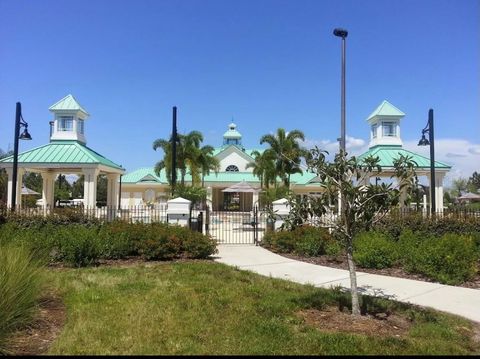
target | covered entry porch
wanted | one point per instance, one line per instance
(238, 197)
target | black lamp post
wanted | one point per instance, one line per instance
(19, 122)
(343, 34)
(424, 142)
(174, 149)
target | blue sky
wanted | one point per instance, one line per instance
(266, 64)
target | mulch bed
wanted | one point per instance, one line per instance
(43, 330)
(341, 263)
(331, 319)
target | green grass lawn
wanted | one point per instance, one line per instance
(209, 308)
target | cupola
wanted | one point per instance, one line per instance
(69, 120)
(385, 125)
(232, 136)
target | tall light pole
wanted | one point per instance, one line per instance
(19, 122)
(174, 149)
(343, 34)
(424, 142)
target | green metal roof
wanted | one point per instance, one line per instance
(386, 109)
(67, 103)
(387, 154)
(62, 152)
(147, 175)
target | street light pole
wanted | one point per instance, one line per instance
(19, 122)
(343, 34)
(174, 149)
(431, 142)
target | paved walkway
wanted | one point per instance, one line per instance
(457, 300)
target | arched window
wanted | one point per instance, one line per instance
(232, 168)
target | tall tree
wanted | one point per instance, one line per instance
(287, 152)
(264, 167)
(208, 162)
(364, 203)
(459, 185)
(188, 154)
(474, 182)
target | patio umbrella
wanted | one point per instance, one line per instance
(26, 191)
(241, 187)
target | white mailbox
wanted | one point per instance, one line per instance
(281, 208)
(178, 211)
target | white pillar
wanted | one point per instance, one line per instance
(48, 188)
(425, 208)
(90, 188)
(18, 198)
(113, 186)
(210, 197)
(439, 191)
(255, 200)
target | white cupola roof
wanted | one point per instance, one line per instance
(385, 125)
(68, 123)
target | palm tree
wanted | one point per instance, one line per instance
(166, 162)
(263, 167)
(208, 162)
(287, 152)
(188, 152)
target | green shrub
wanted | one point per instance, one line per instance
(395, 224)
(450, 259)
(77, 245)
(374, 250)
(304, 240)
(334, 248)
(165, 242)
(20, 285)
(116, 240)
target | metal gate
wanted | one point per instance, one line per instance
(228, 227)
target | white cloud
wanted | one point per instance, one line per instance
(354, 145)
(462, 155)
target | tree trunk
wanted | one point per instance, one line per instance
(353, 280)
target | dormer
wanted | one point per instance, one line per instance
(385, 125)
(69, 120)
(232, 136)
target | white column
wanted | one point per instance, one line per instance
(210, 197)
(90, 188)
(439, 191)
(113, 186)
(425, 208)
(18, 198)
(255, 200)
(9, 186)
(48, 188)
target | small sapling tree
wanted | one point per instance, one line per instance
(362, 203)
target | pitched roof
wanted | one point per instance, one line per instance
(386, 109)
(147, 174)
(387, 155)
(67, 103)
(62, 152)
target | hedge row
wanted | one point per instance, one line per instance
(305, 241)
(449, 258)
(83, 244)
(395, 224)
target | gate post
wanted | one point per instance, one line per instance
(207, 219)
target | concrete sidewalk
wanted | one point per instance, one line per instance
(456, 300)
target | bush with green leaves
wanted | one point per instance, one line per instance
(374, 250)
(304, 240)
(449, 259)
(81, 245)
(395, 223)
(20, 288)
